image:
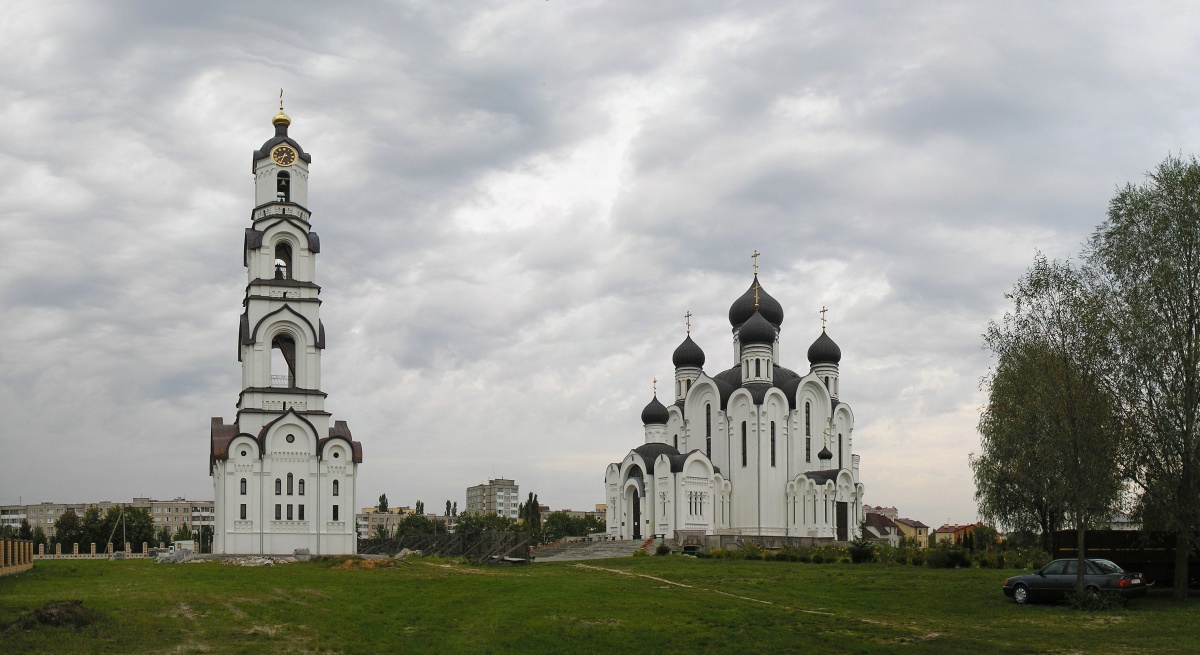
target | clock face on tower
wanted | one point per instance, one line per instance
(283, 155)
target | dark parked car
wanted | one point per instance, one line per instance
(1056, 580)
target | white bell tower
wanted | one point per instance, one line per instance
(283, 478)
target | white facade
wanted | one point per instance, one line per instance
(756, 450)
(283, 477)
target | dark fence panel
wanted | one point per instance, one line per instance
(1150, 553)
(481, 547)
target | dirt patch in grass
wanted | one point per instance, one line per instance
(235, 611)
(56, 613)
(186, 612)
(354, 564)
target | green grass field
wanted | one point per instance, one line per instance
(650, 604)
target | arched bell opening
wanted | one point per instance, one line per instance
(283, 186)
(283, 261)
(283, 362)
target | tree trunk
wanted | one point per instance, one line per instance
(1183, 542)
(1080, 556)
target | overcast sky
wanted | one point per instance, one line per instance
(517, 203)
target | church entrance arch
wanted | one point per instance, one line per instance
(843, 523)
(637, 516)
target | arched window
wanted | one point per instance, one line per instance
(743, 443)
(708, 431)
(283, 186)
(757, 367)
(335, 487)
(243, 486)
(807, 419)
(278, 487)
(283, 261)
(289, 484)
(283, 361)
(772, 443)
(301, 488)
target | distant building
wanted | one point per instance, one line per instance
(890, 512)
(500, 496)
(914, 531)
(954, 533)
(171, 514)
(367, 521)
(881, 528)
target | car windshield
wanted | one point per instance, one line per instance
(1106, 566)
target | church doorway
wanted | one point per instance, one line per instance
(637, 516)
(843, 526)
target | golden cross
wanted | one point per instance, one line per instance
(823, 310)
(826, 435)
(756, 288)
(688, 320)
(755, 258)
(280, 99)
(655, 386)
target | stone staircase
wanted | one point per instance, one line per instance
(580, 550)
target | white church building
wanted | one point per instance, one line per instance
(754, 450)
(283, 476)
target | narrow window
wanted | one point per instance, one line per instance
(289, 484)
(283, 261)
(807, 419)
(283, 187)
(283, 362)
(772, 443)
(335, 487)
(757, 368)
(688, 387)
(808, 449)
(826, 381)
(243, 513)
(302, 488)
(676, 442)
(278, 512)
(678, 388)
(839, 450)
(708, 431)
(335, 512)
(243, 486)
(300, 509)
(743, 443)
(278, 487)
(289, 511)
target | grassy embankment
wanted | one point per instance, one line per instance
(652, 604)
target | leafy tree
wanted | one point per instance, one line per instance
(1057, 338)
(1149, 251)
(39, 537)
(93, 528)
(420, 507)
(413, 524)
(204, 537)
(25, 531)
(163, 536)
(8, 532)
(454, 509)
(382, 532)
(138, 526)
(68, 530)
(472, 523)
(183, 533)
(530, 513)
(447, 508)
(559, 524)
(383, 504)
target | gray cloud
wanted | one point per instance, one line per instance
(517, 203)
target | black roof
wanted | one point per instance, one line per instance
(743, 308)
(825, 454)
(654, 412)
(688, 354)
(730, 380)
(756, 329)
(824, 351)
(281, 136)
(822, 476)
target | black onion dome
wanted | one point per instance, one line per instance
(824, 351)
(688, 354)
(756, 330)
(743, 308)
(654, 413)
(825, 454)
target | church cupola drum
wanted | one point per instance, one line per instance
(284, 474)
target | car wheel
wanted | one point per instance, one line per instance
(1021, 594)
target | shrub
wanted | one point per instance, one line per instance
(1092, 601)
(641, 552)
(663, 549)
(861, 549)
(751, 550)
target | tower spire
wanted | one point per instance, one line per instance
(655, 382)
(823, 310)
(281, 118)
(755, 256)
(687, 319)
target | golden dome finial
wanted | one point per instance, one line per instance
(281, 118)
